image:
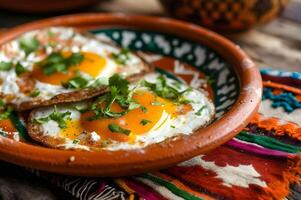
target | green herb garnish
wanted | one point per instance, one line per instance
(76, 83)
(50, 33)
(2, 103)
(172, 126)
(101, 81)
(7, 112)
(144, 109)
(157, 103)
(162, 89)
(5, 66)
(117, 129)
(76, 141)
(200, 111)
(119, 93)
(59, 117)
(29, 45)
(104, 143)
(20, 69)
(143, 122)
(35, 93)
(121, 57)
(81, 109)
(56, 62)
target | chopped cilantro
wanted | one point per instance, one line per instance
(7, 112)
(104, 143)
(101, 81)
(143, 122)
(59, 117)
(121, 57)
(35, 93)
(56, 62)
(81, 109)
(29, 45)
(42, 120)
(76, 82)
(164, 90)
(5, 66)
(118, 93)
(2, 103)
(144, 109)
(117, 129)
(200, 111)
(76, 141)
(20, 69)
(157, 103)
(50, 33)
(172, 126)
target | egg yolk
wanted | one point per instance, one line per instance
(92, 65)
(155, 106)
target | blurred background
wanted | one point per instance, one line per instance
(269, 30)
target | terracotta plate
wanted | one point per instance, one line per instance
(235, 81)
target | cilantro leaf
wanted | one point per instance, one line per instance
(42, 120)
(20, 69)
(117, 129)
(59, 117)
(5, 66)
(104, 143)
(76, 83)
(76, 141)
(29, 45)
(122, 57)
(143, 122)
(200, 111)
(118, 93)
(164, 90)
(144, 109)
(56, 62)
(157, 103)
(101, 81)
(2, 103)
(34, 93)
(7, 112)
(74, 59)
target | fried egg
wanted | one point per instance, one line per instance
(40, 65)
(156, 119)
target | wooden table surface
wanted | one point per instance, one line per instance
(276, 45)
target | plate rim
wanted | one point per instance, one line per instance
(156, 156)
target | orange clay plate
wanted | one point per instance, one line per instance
(177, 49)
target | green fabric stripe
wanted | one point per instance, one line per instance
(267, 142)
(19, 126)
(170, 187)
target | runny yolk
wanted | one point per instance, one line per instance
(92, 65)
(155, 106)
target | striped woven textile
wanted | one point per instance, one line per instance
(261, 162)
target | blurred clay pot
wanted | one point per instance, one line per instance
(225, 14)
(40, 6)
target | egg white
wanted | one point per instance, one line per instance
(81, 43)
(166, 127)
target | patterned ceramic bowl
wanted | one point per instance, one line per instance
(175, 48)
(225, 14)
